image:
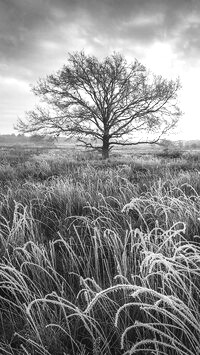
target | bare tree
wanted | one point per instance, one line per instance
(109, 101)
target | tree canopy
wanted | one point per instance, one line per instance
(104, 103)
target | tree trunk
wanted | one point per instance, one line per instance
(105, 147)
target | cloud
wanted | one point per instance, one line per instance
(71, 24)
(36, 35)
(15, 99)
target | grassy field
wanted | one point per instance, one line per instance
(99, 257)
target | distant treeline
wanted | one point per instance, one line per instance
(36, 139)
(181, 144)
(23, 139)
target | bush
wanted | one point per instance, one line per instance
(170, 153)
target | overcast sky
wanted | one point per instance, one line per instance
(36, 35)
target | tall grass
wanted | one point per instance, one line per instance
(100, 259)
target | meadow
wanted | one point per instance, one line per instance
(99, 257)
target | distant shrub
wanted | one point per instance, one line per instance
(192, 156)
(167, 153)
(34, 169)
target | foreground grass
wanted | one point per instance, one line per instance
(100, 259)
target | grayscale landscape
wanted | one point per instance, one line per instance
(99, 177)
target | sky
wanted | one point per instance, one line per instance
(37, 35)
